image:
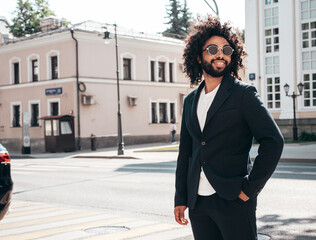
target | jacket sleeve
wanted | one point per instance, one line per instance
(183, 161)
(268, 135)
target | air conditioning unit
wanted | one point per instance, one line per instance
(132, 100)
(87, 100)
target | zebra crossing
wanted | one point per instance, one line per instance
(35, 220)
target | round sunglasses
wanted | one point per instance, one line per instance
(213, 50)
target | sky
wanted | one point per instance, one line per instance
(140, 15)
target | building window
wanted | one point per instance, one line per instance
(16, 116)
(268, 2)
(171, 72)
(309, 92)
(309, 60)
(271, 16)
(308, 35)
(154, 118)
(54, 108)
(127, 72)
(34, 115)
(272, 40)
(308, 9)
(16, 73)
(163, 112)
(152, 70)
(272, 65)
(34, 70)
(54, 67)
(273, 92)
(161, 72)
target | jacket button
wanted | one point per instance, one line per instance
(203, 143)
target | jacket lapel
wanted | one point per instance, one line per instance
(195, 120)
(220, 97)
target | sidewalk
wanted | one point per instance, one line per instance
(302, 152)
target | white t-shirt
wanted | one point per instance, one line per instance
(205, 101)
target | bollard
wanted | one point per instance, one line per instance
(93, 142)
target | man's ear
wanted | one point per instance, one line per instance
(199, 59)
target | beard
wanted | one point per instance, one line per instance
(210, 70)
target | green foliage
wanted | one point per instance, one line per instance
(307, 136)
(179, 19)
(28, 15)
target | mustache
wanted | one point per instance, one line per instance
(213, 60)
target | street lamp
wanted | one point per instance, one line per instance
(120, 150)
(300, 87)
(215, 11)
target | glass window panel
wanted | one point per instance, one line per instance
(306, 77)
(268, 2)
(268, 41)
(313, 34)
(48, 128)
(305, 55)
(314, 85)
(306, 103)
(313, 43)
(305, 44)
(306, 65)
(65, 127)
(306, 85)
(268, 49)
(268, 70)
(313, 53)
(314, 94)
(313, 13)
(269, 89)
(304, 5)
(276, 48)
(313, 64)
(305, 35)
(276, 69)
(267, 13)
(270, 105)
(306, 94)
(277, 88)
(277, 96)
(313, 25)
(268, 60)
(276, 60)
(268, 32)
(276, 40)
(277, 104)
(275, 20)
(313, 4)
(275, 31)
(277, 80)
(314, 76)
(275, 1)
(305, 26)
(304, 15)
(275, 11)
(267, 22)
(269, 80)
(56, 127)
(270, 97)
(314, 102)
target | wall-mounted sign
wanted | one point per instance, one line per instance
(53, 91)
(252, 76)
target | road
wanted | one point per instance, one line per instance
(138, 194)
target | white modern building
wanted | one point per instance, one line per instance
(280, 37)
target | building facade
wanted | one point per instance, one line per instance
(280, 37)
(39, 75)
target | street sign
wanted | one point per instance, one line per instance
(53, 91)
(252, 76)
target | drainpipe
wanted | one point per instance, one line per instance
(77, 84)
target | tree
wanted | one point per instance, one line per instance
(28, 16)
(180, 19)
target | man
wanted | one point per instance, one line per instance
(215, 177)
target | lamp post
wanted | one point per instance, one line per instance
(215, 11)
(300, 87)
(120, 150)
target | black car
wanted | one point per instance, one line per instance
(6, 184)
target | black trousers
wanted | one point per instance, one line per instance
(215, 218)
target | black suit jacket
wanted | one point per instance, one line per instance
(222, 148)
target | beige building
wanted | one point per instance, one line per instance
(39, 75)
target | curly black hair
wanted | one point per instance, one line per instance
(196, 39)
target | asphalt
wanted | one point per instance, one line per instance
(298, 152)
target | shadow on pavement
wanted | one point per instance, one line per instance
(157, 167)
(289, 229)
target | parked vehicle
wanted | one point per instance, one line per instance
(6, 184)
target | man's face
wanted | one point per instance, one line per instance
(219, 64)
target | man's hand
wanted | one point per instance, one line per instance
(243, 196)
(179, 215)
